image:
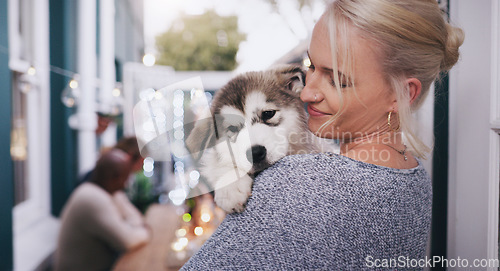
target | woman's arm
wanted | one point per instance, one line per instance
(106, 221)
(128, 211)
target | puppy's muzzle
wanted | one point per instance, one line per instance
(256, 154)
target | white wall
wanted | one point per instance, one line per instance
(470, 131)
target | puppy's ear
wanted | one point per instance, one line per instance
(291, 76)
(202, 137)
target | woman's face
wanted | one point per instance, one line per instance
(364, 110)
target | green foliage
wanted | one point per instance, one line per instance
(142, 193)
(203, 42)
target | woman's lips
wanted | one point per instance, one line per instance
(315, 112)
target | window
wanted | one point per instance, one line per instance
(19, 141)
(30, 119)
(35, 231)
(494, 180)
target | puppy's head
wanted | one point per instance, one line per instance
(255, 113)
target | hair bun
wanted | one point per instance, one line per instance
(453, 42)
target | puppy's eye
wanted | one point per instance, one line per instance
(267, 115)
(232, 129)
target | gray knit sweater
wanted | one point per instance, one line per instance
(325, 212)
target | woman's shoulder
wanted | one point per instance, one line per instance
(324, 162)
(90, 196)
(333, 171)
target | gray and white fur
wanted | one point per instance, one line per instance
(257, 119)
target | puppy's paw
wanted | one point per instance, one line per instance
(233, 197)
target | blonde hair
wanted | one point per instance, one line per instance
(413, 39)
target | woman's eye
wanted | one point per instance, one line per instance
(342, 85)
(269, 114)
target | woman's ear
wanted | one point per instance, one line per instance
(415, 88)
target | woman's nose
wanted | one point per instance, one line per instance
(309, 93)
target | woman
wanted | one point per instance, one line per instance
(373, 62)
(98, 222)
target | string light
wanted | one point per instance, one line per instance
(71, 94)
(198, 231)
(177, 246)
(306, 62)
(73, 84)
(183, 241)
(116, 92)
(186, 217)
(27, 81)
(149, 60)
(177, 196)
(31, 71)
(180, 232)
(205, 217)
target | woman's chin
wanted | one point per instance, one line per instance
(316, 128)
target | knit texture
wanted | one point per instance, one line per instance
(325, 212)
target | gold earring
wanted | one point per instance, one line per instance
(389, 123)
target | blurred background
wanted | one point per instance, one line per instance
(71, 73)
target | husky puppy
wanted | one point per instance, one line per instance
(257, 119)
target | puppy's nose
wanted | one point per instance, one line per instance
(256, 154)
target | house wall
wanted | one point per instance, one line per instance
(7, 181)
(63, 139)
(471, 183)
(129, 33)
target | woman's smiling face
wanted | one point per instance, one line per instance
(367, 98)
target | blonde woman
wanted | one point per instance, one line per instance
(373, 62)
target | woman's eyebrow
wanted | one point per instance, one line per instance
(341, 75)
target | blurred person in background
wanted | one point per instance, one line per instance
(98, 222)
(128, 145)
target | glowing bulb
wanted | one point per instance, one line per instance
(149, 60)
(71, 94)
(73, 84)
(116, 92)
(177, 196)
(186, 217)
(148, 167)
(307, 62)
(205, 217)
(180, 232)
(31, 71)
(198, 231)
(177, 246)
(183, 241)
